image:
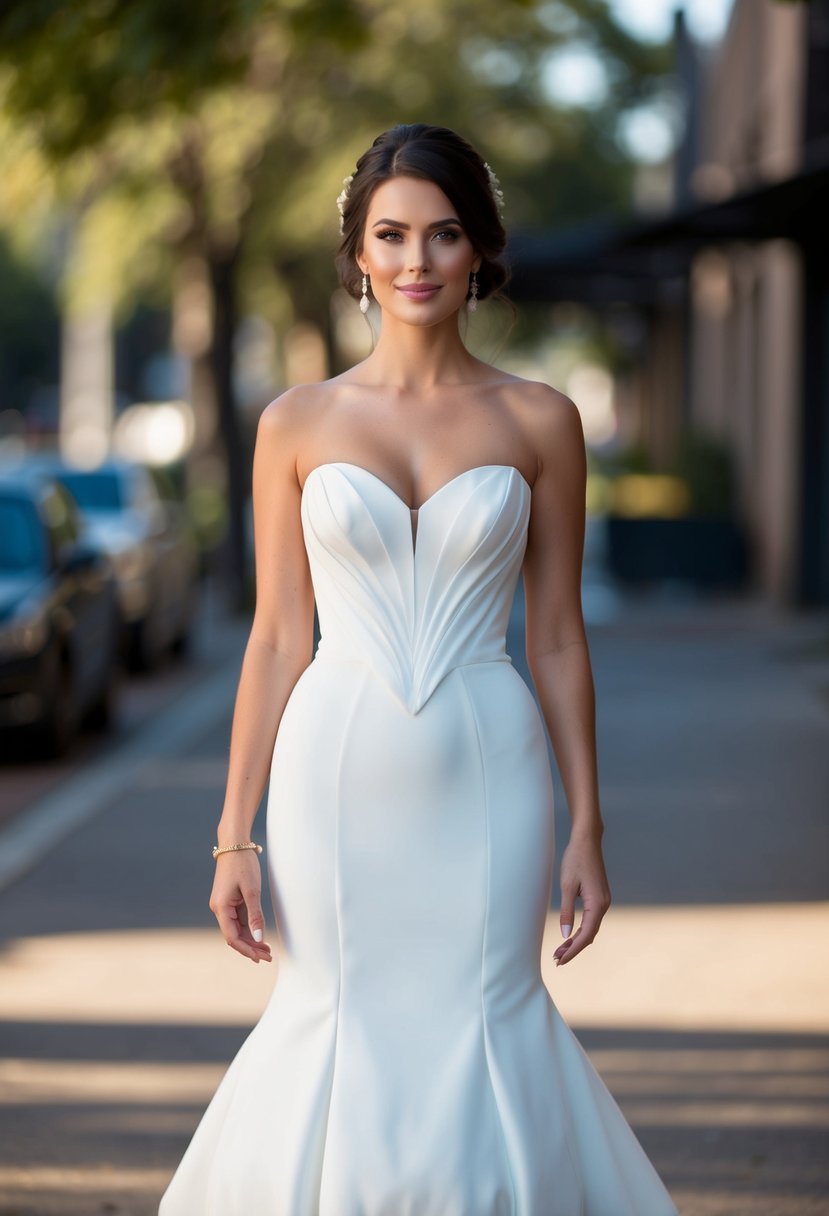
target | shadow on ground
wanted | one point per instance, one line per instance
(741, 1115)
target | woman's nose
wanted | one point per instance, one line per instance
(418, 255)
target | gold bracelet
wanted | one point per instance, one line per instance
(235, 848)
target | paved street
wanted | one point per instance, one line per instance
(703, 1002)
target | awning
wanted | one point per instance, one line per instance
(608, 259)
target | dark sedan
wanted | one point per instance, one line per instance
(149, 544)
(59, 617)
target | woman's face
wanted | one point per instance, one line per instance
(415, 252)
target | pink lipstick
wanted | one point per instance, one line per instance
(419, 291)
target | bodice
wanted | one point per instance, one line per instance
(414, 608)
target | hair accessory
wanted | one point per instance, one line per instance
(235, 848)
(472, 302)
(364, 300)
(342, 198)
(495, 189)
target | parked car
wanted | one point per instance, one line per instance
(150, 544)
(59, 617)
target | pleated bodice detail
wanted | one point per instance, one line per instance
(414, 608)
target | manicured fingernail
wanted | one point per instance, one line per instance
(566, 930)
(258, 935)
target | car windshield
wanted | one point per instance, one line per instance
(21, 538)
(97, 490)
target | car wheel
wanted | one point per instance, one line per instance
(146, 646)
(104, 709)
(182, 643)
(58, 729)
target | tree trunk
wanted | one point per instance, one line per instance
(192, 338)
(223, 267)
(86, 385)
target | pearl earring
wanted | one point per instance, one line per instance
(472, 303)
(364, 300)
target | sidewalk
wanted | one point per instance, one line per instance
(703, 1001)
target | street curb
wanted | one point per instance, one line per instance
(84, 795)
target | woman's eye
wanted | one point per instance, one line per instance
(445, 234)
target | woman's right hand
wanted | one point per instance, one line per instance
(582, 874)
(235, 902)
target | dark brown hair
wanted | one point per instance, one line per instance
(434, 154)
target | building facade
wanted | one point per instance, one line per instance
(732, 285)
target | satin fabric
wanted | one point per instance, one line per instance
(410, 1061)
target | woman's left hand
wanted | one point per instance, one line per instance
(235, 901)
(582, 874)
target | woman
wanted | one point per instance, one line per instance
(410, 1061)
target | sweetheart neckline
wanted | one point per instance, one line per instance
(477, 468)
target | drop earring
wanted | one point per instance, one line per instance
(472, 302)
(364, 300)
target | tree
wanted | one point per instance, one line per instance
(203, 144)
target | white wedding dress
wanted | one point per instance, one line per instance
(410, 1061)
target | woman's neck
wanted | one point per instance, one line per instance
(416, 358)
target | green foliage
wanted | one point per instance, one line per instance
(634, 458)
(141, 137)
(107, 59)
(706, 464)
(28, 331)
(224, 129)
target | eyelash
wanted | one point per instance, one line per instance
(394, 232)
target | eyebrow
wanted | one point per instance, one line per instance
(437, 223)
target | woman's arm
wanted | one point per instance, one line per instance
(277, 652)
(559, 659)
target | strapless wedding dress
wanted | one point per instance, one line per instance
(410, 1061)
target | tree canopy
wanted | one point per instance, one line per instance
(240, 120)
(141, 140)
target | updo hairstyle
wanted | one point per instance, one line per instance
(433, 154)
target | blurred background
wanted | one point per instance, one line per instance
(168, 177)
(167, 226)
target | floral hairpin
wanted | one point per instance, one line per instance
(342, 198)
(495, 188)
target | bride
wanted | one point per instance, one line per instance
(410, 1061)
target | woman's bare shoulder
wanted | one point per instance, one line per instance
(298, 407)
(534, 395)
(298, 413)
(548, 417)
(287, 423)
